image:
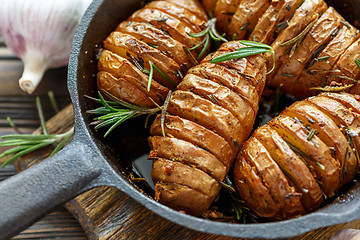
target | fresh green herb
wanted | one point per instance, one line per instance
(357, 62)
(288, 75)
(23, 144)
(213, 99)
(116, 112)
(12, 124)
(288, 7)
(303, 155)
(243, 28)
(162, 19)
(209, 32)
(151, 73)
(332, 89)
(293, 180)
(343, 168)
(345, 23)
(311, 134)
(295, 42)
(322, 58)
(163, 113)
(253, 48)
(243, 213)
(53, 102)
(234, 37)
(281, 26)
(152, 45)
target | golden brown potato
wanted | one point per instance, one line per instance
(193, 6)
(319, 35)
(122, 68)
(267, 26)
(313, 145)
(213, 108)
(246, 16)
(223, 11)
(196, 134)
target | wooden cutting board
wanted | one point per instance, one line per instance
(107, 213)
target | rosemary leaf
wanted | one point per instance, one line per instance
(245, 26)
(163, 112)
(242, 52)
(164, 76)
(299, 36)
(311, 134)
(332, 89)
(255, 44)
(357, 62)
(150, 76)
(41, 116)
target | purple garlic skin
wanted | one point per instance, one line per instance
(40, 33)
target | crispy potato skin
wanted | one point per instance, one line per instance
(308, 59)
(156, 34)
(314, 165)
(213, 109)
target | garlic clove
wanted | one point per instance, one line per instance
(347, 234)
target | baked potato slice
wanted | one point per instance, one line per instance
(267, 26)
(303, 16)
(348, 68)
(167, 171)
(329, 133)
(208, 114)
(224, 11)
(131, 48)
(229, 78)
(286, 198)
(121, 68)
(315, 152)
(200, 136)
(292, 166)
(178, 150)
(193, 6)
(170, 25)
(348, 100)
(180, 13)
(318, 36)
(313, 75)
(182, 198)
(209, 6)
(122, 89)
(246, 16)
(347, 120)
(152, 36)
(222, 96)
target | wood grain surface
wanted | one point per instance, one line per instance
(104, 213)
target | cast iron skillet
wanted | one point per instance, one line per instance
(88, 162)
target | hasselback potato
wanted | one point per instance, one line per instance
(154, 35)
(290, 165)
(210, 115)
(315, 47)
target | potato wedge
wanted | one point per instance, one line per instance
(200, 136)
(122, 89)
(178, 150)
(209, 6)
(319, 36)
(122, 68)
(246, 16)
(130, 48)
(292, 166)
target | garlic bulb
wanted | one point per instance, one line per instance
(40, 32)
(347, 234)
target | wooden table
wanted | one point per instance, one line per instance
(125, 218)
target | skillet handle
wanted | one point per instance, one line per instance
(27, 196)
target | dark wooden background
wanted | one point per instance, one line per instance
(104, 213)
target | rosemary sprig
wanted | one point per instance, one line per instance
(116, 112)
(209, 32)
(295, 42)
(26, 143)
(243, 213)
(253, 48)
(357, 62)
(332, 88)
